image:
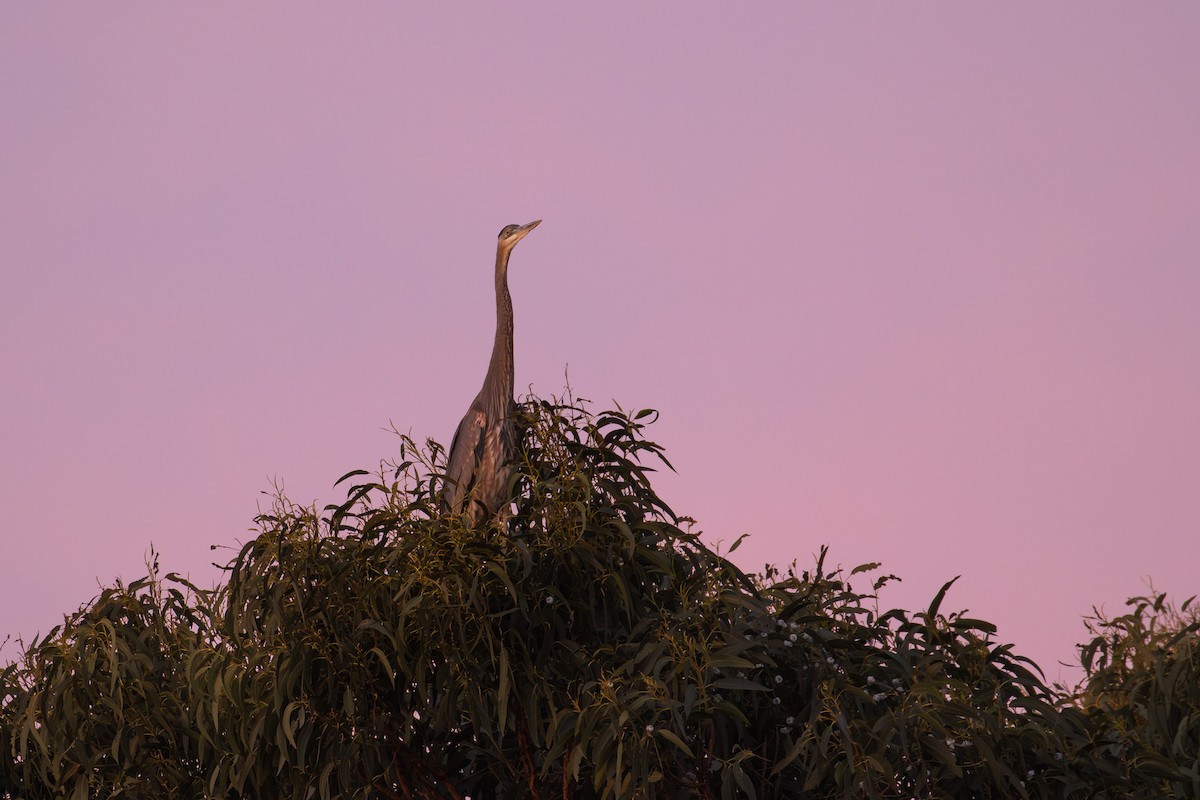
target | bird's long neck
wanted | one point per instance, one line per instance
(498, 386)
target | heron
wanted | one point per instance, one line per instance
(484, 444)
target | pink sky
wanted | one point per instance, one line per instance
(919, 282)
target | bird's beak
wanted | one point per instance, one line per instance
(520, 232)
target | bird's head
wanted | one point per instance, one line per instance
(511, 234)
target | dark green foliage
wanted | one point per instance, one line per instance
(102, 706)
(1143, 693)
(588, 646)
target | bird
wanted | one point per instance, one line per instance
(481, 453)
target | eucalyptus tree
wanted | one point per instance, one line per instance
(586, 645)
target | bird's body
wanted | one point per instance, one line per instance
(481, 453)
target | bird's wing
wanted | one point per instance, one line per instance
(464, 457)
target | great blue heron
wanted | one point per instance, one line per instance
(482, 450)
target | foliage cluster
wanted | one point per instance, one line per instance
(586, 646)
(1143, 692)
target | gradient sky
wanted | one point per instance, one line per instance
(917, 281)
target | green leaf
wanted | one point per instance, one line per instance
(739, 684)
(674, 739)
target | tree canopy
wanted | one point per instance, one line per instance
(587, 645)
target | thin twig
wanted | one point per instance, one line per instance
(523, 743)
(568, 791)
